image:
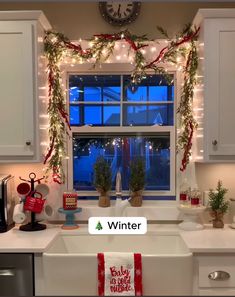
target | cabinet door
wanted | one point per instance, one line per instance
(220, 86)
(16, 85)
(16, 275)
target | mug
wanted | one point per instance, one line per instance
(43, 189)
(18, 214)
(23, 189)
(34, 202)
(46, 214)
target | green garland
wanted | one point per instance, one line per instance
(57, 47)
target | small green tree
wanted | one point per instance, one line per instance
(137, 174)
(218, 205)
(217, 201)
(102, 175)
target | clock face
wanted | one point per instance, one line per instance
(119, 13)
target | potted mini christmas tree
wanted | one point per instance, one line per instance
(218, 205)
(102, 181)
(137, 181)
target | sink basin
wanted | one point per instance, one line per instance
(92, 244)
(70, 263)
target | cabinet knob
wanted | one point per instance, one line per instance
(28, 143)
(215, 142)
(219, 275)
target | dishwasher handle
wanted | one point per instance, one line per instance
(7, 271)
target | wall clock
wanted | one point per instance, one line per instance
(119, 13)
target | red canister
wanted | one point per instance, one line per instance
(69, 200)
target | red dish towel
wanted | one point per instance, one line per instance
(119, 274)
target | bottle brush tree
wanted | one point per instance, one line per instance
(102, 180)
(137, 180)
(218, 205)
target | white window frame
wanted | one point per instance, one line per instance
(86, 70)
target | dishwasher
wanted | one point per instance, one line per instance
(16, 274)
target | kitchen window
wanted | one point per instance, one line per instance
(113, 118)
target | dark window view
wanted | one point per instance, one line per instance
(118, 151)
(113, 100)
(98, 100)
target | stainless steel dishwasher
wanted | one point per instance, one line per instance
(16, 275)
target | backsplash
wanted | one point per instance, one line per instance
(207, 176)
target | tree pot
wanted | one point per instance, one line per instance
(136, 198)
(104, 200)
(217, 221)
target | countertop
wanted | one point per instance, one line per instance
(16, 241)
(208, 240)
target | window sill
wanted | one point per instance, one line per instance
(152, 210)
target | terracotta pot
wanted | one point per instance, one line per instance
(136, 198)
(104, 200)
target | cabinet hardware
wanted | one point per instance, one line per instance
(28, 142)
(219, 275)
(7, 271)
(215, 142)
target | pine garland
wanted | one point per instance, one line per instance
(57, 46)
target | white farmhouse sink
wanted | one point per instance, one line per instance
(92, 244)
(70, 263)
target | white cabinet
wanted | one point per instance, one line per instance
(21, 78)
(214, 101)
(214, 275)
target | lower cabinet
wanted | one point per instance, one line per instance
(16, 275)
(214, 275)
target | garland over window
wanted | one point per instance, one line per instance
(58, 47)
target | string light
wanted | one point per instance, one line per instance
(59, 49)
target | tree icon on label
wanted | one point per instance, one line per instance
(99, 226)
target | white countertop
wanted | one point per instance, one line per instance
(16, 241)
(208, 240)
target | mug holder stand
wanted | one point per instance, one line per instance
(33, 225)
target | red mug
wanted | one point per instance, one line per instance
(34, 204)
(23, 189)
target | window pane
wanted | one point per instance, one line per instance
(153, 88)
(136, 93)
(92, 115)
(118, 151)
(111, 115)
(96, 115)
(136, 115)
(74, 115)
(94, 88)
(92, 94)
(111, 93)
(74, 93)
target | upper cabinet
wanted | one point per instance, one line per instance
(214, 102)
(22, 85)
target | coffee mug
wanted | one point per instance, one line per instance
(23, 189)
(18, 214)
(46, 214)
(43, 189)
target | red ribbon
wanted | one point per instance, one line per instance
(64, 115)
(50, 150)
(184, 161)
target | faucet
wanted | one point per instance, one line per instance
(120, 204)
